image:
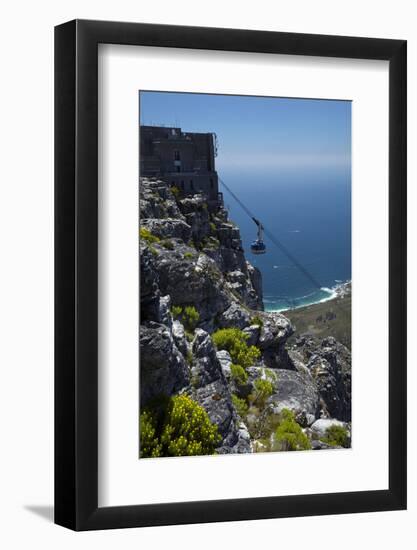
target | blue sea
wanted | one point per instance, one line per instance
(309, 212)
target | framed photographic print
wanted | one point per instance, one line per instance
(230, 275)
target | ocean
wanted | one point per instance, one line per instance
(309, 212)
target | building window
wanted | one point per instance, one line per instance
(211, 183)
(182, 185)
(178, 168)
(191, 184)
(177, 155)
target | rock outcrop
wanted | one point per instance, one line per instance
(329, 363)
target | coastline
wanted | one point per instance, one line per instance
(340, 290)
(331, 317)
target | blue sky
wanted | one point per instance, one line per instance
(256, 132)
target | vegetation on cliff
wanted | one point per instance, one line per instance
(177, 426)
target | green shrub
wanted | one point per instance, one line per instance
(256, 320)
(149, 442)
(210, 243)
(176, 192)
(262, 424)
(190, 317)
(189, 357)
(336, 436)
(176, 311)
(188, 255)
(271, 375)
(147, 236)
(263, 389)
(168, 244)
(188, 430)
(239, 375)
(233, 340)
(213, 227)
(179, 427)
(153, 251)
(289, 436)
(240, 405)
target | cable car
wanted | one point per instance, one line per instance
(258, 246)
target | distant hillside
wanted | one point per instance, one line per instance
(332, 318)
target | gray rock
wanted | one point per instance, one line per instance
(178, 332)
(330, 365)
(296, 393)
(320, 426)
(253, 332)
(163, 369)
(191, 281)
(256, 279)
(225, 362)
(168, 228)
(149, 289)
(165, 316)
(210, 389)
(318, 445)
(234, 317)
(196, 214)
(156, 200)
(243, 444)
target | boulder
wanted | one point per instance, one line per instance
(320, 426)
(253, 332)
(235, 316)
(192, 280)
(297, 393)
(163, 369)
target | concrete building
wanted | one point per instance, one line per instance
(182, 159)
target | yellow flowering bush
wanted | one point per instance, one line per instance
(149, 443)
(186, 430)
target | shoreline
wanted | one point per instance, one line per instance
(340, 290)
(330, 317)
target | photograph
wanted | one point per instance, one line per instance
(245, 274)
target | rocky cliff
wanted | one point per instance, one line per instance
(195, 281)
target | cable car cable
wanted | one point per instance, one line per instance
(279, 245)
(272, 238)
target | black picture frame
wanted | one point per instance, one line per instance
(76, 272)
